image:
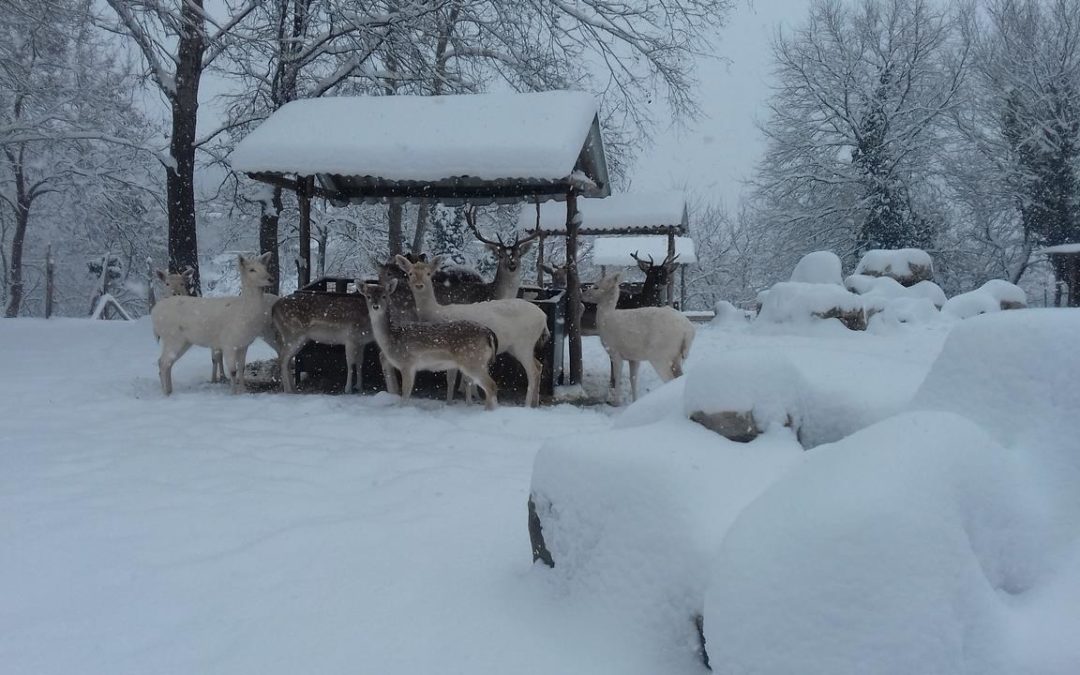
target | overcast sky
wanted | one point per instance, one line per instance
(715, 154)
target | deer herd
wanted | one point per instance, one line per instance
(423, 316)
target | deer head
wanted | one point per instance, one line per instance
(508, 254)
(176, 283)
(253, 271)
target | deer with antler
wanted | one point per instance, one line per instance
(507, 279)
(656, 279)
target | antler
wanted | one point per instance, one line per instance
(634, 255)
(670, 259)
(470, 218)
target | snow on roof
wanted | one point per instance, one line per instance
(1062, 248)
(424, 138)
(617, 250)
(632, 210)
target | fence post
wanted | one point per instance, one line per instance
(151, 299)
(49, 288)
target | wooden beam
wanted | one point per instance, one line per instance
(303, 196)
(671, 277)
(573, 288)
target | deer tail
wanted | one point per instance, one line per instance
(493, 341)
(684, 349)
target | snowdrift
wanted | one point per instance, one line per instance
(993, 296)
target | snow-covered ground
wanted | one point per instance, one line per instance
(207, 533)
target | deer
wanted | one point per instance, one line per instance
(519, 325)
(179, 283)
(656, 279)
(460, 345)
(508, 255)
(326, 319)
(660, 335)
(229, 325)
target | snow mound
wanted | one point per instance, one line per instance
(767, 387)
(906, 265)
(903, 311)
(993, 296)
(928, 290)
(1014, 373)
(819, 267)
(726, 313)
(631, 517)
(795, 302)
(887, 288)
(888, 552)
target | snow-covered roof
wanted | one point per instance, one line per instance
(643, 211)
(370, 141)
(1061, 248)
(617, 250)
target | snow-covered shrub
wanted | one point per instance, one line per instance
(793, 302)
(819, 267)
(745, 393)
(903, 311)
(928, 290)
(993, 296)
(887, 302)
(892, 551)
(906, 265)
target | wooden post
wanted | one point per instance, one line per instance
(671, 256)
(303, 196)
(573, 288)
(539, 250)
(682, 287)
(49, 287)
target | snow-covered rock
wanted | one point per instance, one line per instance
(907, 265)
(819, 267)
(745, 393)
(795, 302)
(894, 551)
(993, 296)
(898, 311)
(631, 517)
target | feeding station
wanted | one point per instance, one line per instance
(1065, 259)
(466, 149)
(626, 251)
(653, 223)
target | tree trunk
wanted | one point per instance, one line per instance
(18, 242)
(50, 273)
(268, 238)
(303, 195)
(180, 176)
(394, 228)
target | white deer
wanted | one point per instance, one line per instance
(179, 283)
(519, 325)
(463, 345)
(226, 324)
(660, 335)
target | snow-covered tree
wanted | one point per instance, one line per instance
(854, 127)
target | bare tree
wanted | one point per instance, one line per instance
(854, 126)
(179, 40)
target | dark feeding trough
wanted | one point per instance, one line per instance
(321, 367)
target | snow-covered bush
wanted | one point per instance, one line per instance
(893, 551)
(906, 265)
(819, 267)
(744, 394)
(993, 296)
(794, 302)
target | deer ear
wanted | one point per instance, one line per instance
(436, 262)
(240, 259)
(494, 248)
(160, 275)
(391, 285)
(362, 287)
(614, 279)
(403, 263)
(188, 274)
(524, 248)
(265, 257)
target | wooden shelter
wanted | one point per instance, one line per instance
(476, 149)
(1065, 259)
(636, 214)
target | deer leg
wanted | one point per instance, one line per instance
(664, 370)
(616, 371)
(236, 369)
(451, 384)
(289, 350)
(483, 379)
(676, 367)
(389, 375)
(350, 361)
(611, 375)
(633, 379)
(169, 356)
(217, 373)
(408, 376)
(532, 373)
